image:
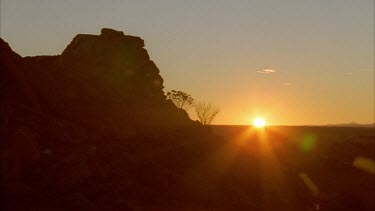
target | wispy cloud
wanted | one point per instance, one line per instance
(348, 73)
(266, 71)
(287, 84)
(367, 69)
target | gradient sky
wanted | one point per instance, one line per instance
(293, 62)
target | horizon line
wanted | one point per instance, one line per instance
(307, 125)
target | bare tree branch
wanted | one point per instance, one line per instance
(206, 112)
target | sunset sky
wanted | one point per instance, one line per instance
(293, 62)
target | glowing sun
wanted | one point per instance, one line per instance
(259, 122)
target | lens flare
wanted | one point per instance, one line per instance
(365, 164)
(307, 143)
(309, 183)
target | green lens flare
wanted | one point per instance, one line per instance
(307, 142)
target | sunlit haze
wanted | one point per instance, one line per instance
(292, 62)
(259, 122)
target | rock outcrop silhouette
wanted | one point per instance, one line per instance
(91, 129)
(104, 81)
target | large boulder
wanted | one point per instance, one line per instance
(106, 81)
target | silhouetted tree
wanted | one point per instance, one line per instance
(180, 99)
(206, 112)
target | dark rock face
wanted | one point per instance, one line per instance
(91, 124)
(103, 81)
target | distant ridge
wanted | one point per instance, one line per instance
(351, 124)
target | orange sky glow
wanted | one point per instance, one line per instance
(290, 62)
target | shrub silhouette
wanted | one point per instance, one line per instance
(180, 99)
